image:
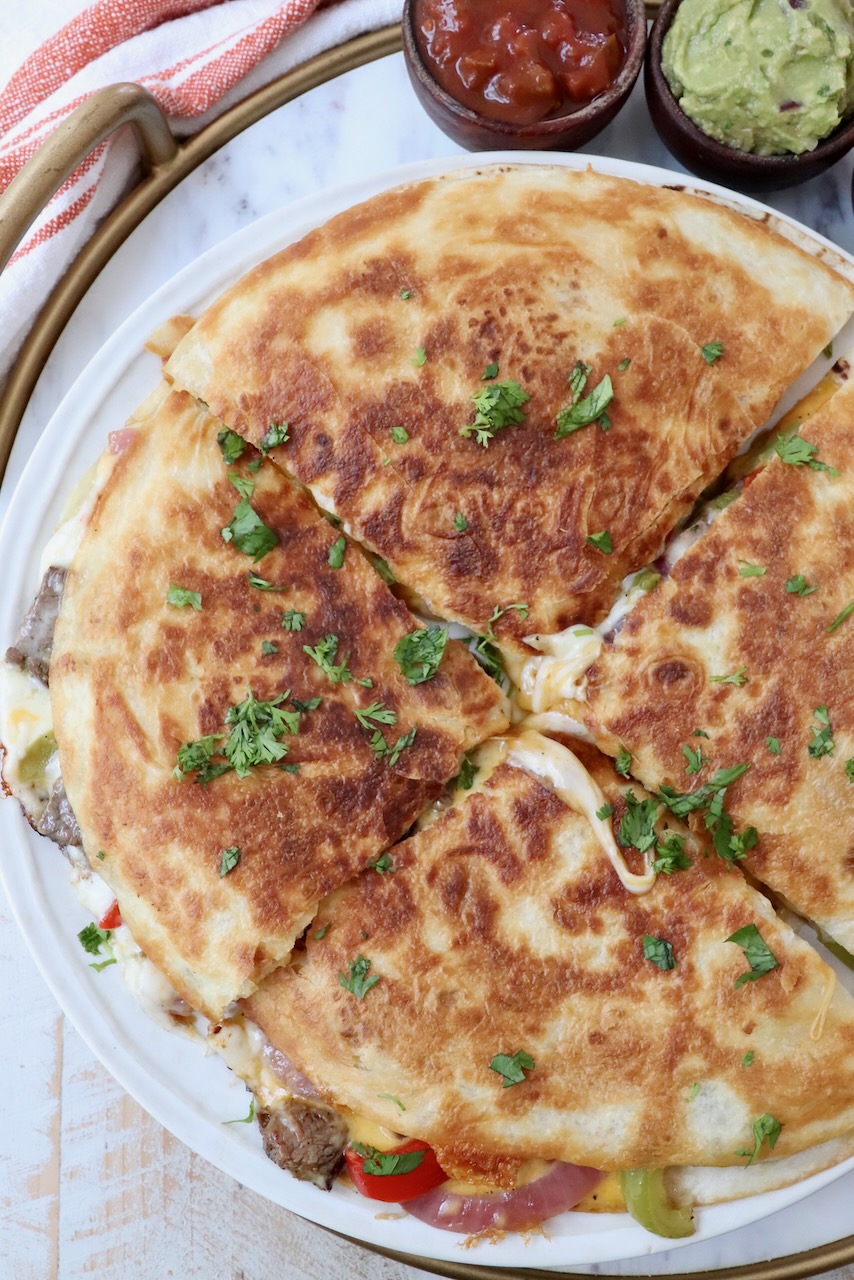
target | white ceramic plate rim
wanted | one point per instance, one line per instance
(190, 1094)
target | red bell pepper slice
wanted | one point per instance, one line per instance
(112, 917)
(392, 1187)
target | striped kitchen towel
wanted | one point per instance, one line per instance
(197, 57)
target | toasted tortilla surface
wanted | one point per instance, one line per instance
(133, 677)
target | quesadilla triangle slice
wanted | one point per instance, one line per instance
(236, 735)
(519, 996)
(739, 669)
(513, 382)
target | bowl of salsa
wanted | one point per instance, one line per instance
(523, 73)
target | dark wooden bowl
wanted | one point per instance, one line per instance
(710, 159)
(563, 133)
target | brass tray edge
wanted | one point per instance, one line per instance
(27, 368)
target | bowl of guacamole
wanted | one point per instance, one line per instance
(757, 89)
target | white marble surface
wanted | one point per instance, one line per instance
(365, 122)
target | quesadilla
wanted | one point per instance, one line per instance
(511, 383)
(246, 716)
(509, 945)
(740, 666)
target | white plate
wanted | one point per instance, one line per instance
(168, 1073)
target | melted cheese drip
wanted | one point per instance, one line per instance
(25, 719)
(544, 681)
(574, 785)
(486, 759)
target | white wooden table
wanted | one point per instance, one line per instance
(89, 1184)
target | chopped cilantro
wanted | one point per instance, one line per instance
(383, 865)
(92, 938)
(383, 569)
(420, 357)
(311, 705)
(248, 532)
(605, 812)
(700, 733)
(841, 617)
(322, 932)
(337, 551)
(255, 729)
(466, 775)
(747, 1060)
(695, 1089)
(460, 522)
(101, 855)
(247, 1119)
(749, 570)
(406, 294)
(254, 466)
(232, 445)
(228, 860)
(521, 609)
(276, 434)
(694, 759)
(580, 413)
(399, 435)
(712, 351)
(324, 653)
(621, 321)
(659, 951)
(827, 351)
(773, 745)
(268, 648)
(710, 796)
(798, 453)
(822, 743)
(638, 822)
(383, 751)
(624, 364)
(491, 371)
(765, 1128)
(382, 1164)
(391, 1098)
(358, 983)
(419, 653)
(512, 1069)
(623, 762)
(243, 484)
(757, 953)
(497, 406)
(262, 584)
(601, 541)
(196, 757)
(738, 678)
(293, 620)
(180, 597)
(671, 855)
(378, 712)
(849, 773)
(798, 586)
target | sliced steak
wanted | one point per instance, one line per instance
(58, 822)
(306, 1139)
(34, 644)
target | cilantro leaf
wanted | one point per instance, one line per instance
(420, 357)
(262, 584)
(276, 434)
(465, 778)
(358, 983)
(419, 653)
(92, 938)
(749, 570)
(712, 351)
(323, 653)
(243, 484)
(268, 648)
(460, 522)
(322, 931)
(671, 855)
(228, 860)
(248, 532)
(798, 453)
(489, 657)
(624, 364)
(765, 1128)
(757, 953)
(798, 586)
(196, 756)
(582, 412)
(491, 371)
(337, 551)
(383, 865)
(601, 541)
(512, 1069)
(822, 743)
(293, 620)
(623, 762)
(659, 952)
(383, 1164)
(399, 435)
(406, 294)
(521, 609)
(605, 812)
(497, 406)
(849, 769)
(180, 597)
(841, 617)
(247, 1119)
(773, 745)
(311, 705)
(404, 741)
(747, 1060)
(232, 445)
(255, 729)
(637, 825)
(738, 678)
(377, 712)
(695, 759)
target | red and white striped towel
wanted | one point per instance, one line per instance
(197, 57)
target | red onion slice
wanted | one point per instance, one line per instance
(122, 439)
(559, 1189)
(299, 1085)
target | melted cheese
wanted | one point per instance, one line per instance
(486, 758)
(570, 780)
(559, 674)
(26, 724)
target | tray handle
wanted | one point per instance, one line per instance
(57, 158)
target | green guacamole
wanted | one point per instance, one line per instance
(767, 76)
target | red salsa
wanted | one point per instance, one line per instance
(522, 60)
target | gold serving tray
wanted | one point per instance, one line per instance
(166, 163)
